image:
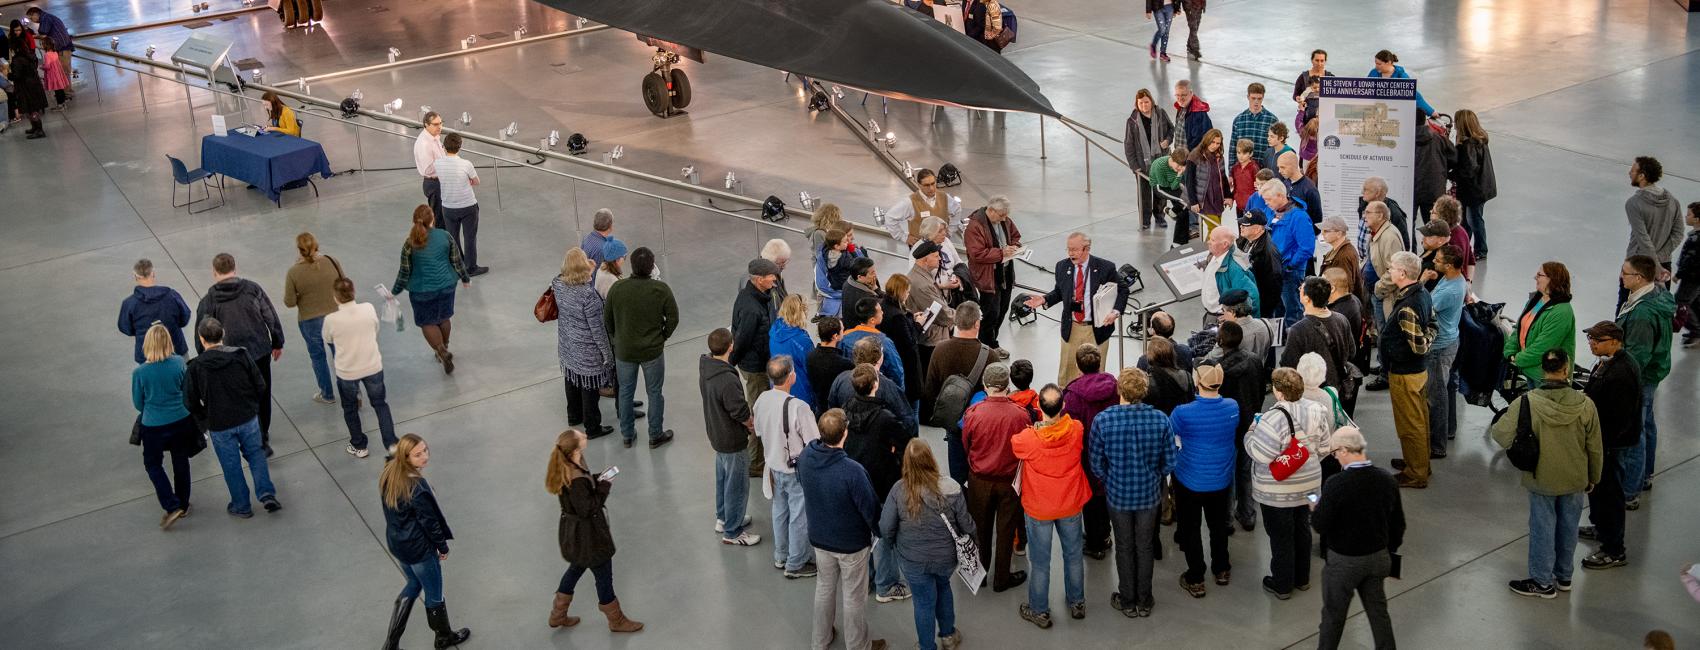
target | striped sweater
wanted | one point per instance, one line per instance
(1268, 438)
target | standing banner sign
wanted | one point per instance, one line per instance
(1368, 127)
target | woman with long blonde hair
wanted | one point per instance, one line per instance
(164, 424)
(922, 517)
(789, 336)
(582, 343)
(418, 537)
(308, 288)
(430, 263)
(827, 217)
(1472, 172)
(587, 543)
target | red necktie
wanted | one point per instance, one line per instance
(1079, 294)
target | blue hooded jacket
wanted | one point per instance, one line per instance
(794, 342)
(149, 304)
(842, 509)
(1400, 73)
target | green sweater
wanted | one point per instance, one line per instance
(1554, 327)
(1162, 175)
(1569, 430)
(640, 315)
(1646, 327)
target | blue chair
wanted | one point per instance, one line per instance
(182, 176)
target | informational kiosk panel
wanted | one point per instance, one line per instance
(1368, 127)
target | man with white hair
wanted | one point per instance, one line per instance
(1375, 189)
(903, 220)
(1078, 279)
(992, 240)
(1405, 343)
(1361, 516)
(1227, 269)
(935, 230)
(779, 252)
(1192, 114)
(1295, 237)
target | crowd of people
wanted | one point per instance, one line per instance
(821, 395)
(35, 63)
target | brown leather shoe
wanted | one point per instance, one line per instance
(1408, 482)
(617, 621)
(558, 615)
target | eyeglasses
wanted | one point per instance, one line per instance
(1540, 274)
(1630, 274)
(930, 184)
(435, 123)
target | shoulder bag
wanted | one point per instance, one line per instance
(1293, 456)
(968, 565)
(952, 400)
(1525, 449)
(545, 309)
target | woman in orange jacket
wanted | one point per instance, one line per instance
(1053, 491)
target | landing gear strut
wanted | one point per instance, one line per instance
(666, 89)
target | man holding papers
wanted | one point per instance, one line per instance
(1091, 297)
(927, 297)
(993, 243)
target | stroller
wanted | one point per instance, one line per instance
(1484, 371)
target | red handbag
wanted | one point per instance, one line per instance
(545, 309)
(1291, 458)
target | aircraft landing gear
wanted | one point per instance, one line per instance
(666, 89)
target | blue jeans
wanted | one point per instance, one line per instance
(312, 332)
(427, 576)
(933, 604)
(790, 522)
(887, 573)
(1477, 226)
(603, 574)
(1165, 17)
(348, 391)
(1552, 536)
(654, 373)
(1072, 535)
(1649, 437)
(1291, 280)
(232, 445)
(1442, 400)
(1630, 460)
(731, 489)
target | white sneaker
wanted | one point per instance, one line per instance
(745, 538)
(357, 453)
(720, 526)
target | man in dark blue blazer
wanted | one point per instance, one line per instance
(1078, 278)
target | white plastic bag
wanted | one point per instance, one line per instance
(392, 308)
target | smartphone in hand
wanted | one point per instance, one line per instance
(608, 474)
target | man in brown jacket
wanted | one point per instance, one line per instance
(957, 356)
(992, 241)
(986, 430)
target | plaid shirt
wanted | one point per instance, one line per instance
(1254, 127)
(1130, 449)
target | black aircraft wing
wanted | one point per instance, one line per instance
(871, 45)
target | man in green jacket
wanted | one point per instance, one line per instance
(640, 314)
(1646, 321)
(1571, 458)
(1165, 175)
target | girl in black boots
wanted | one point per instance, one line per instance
(586, 542)
(419, 538)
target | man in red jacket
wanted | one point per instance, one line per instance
(992, 240)
(986, 431)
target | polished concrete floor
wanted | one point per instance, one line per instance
(1570, 91)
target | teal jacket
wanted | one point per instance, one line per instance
(1646, 327)
(1554, 327)
(1234, 275)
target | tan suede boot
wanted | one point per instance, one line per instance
(617, 621)
(558, 616)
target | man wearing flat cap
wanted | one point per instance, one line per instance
(1078, 278)
(1265, 262)
(924, 292)
(752, 315)
(1615, 388)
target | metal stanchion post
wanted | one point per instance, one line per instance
(189, 99)
(496, 166)
(359, 149)
(142, 87)
(1041, 137)
(1088, 146)
(94, 73)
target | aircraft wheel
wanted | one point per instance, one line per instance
(655, 95)
(681, 89)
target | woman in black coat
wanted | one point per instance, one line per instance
(1170, 385)
(31, 97)
(900, 327)
(418, 537)
(586, 542)
(1473, 174)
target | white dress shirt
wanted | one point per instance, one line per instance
(426, 150)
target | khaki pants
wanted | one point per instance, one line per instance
(1078, 335)
(1410, 420)
(755, 383)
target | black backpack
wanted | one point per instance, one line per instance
(1525, 450)
(952, 400)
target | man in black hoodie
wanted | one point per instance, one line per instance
(827, 361)
(752, 315)
(222, 390)
(1245, 381)
(250, 323)
(727, 419)
(1615, 388)
(876, 440)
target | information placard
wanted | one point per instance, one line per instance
(1367, 127)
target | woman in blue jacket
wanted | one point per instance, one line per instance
(418, 537)
(1384, 67)
(156, 389)
(788, 336)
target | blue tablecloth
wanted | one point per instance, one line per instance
(268, 161)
